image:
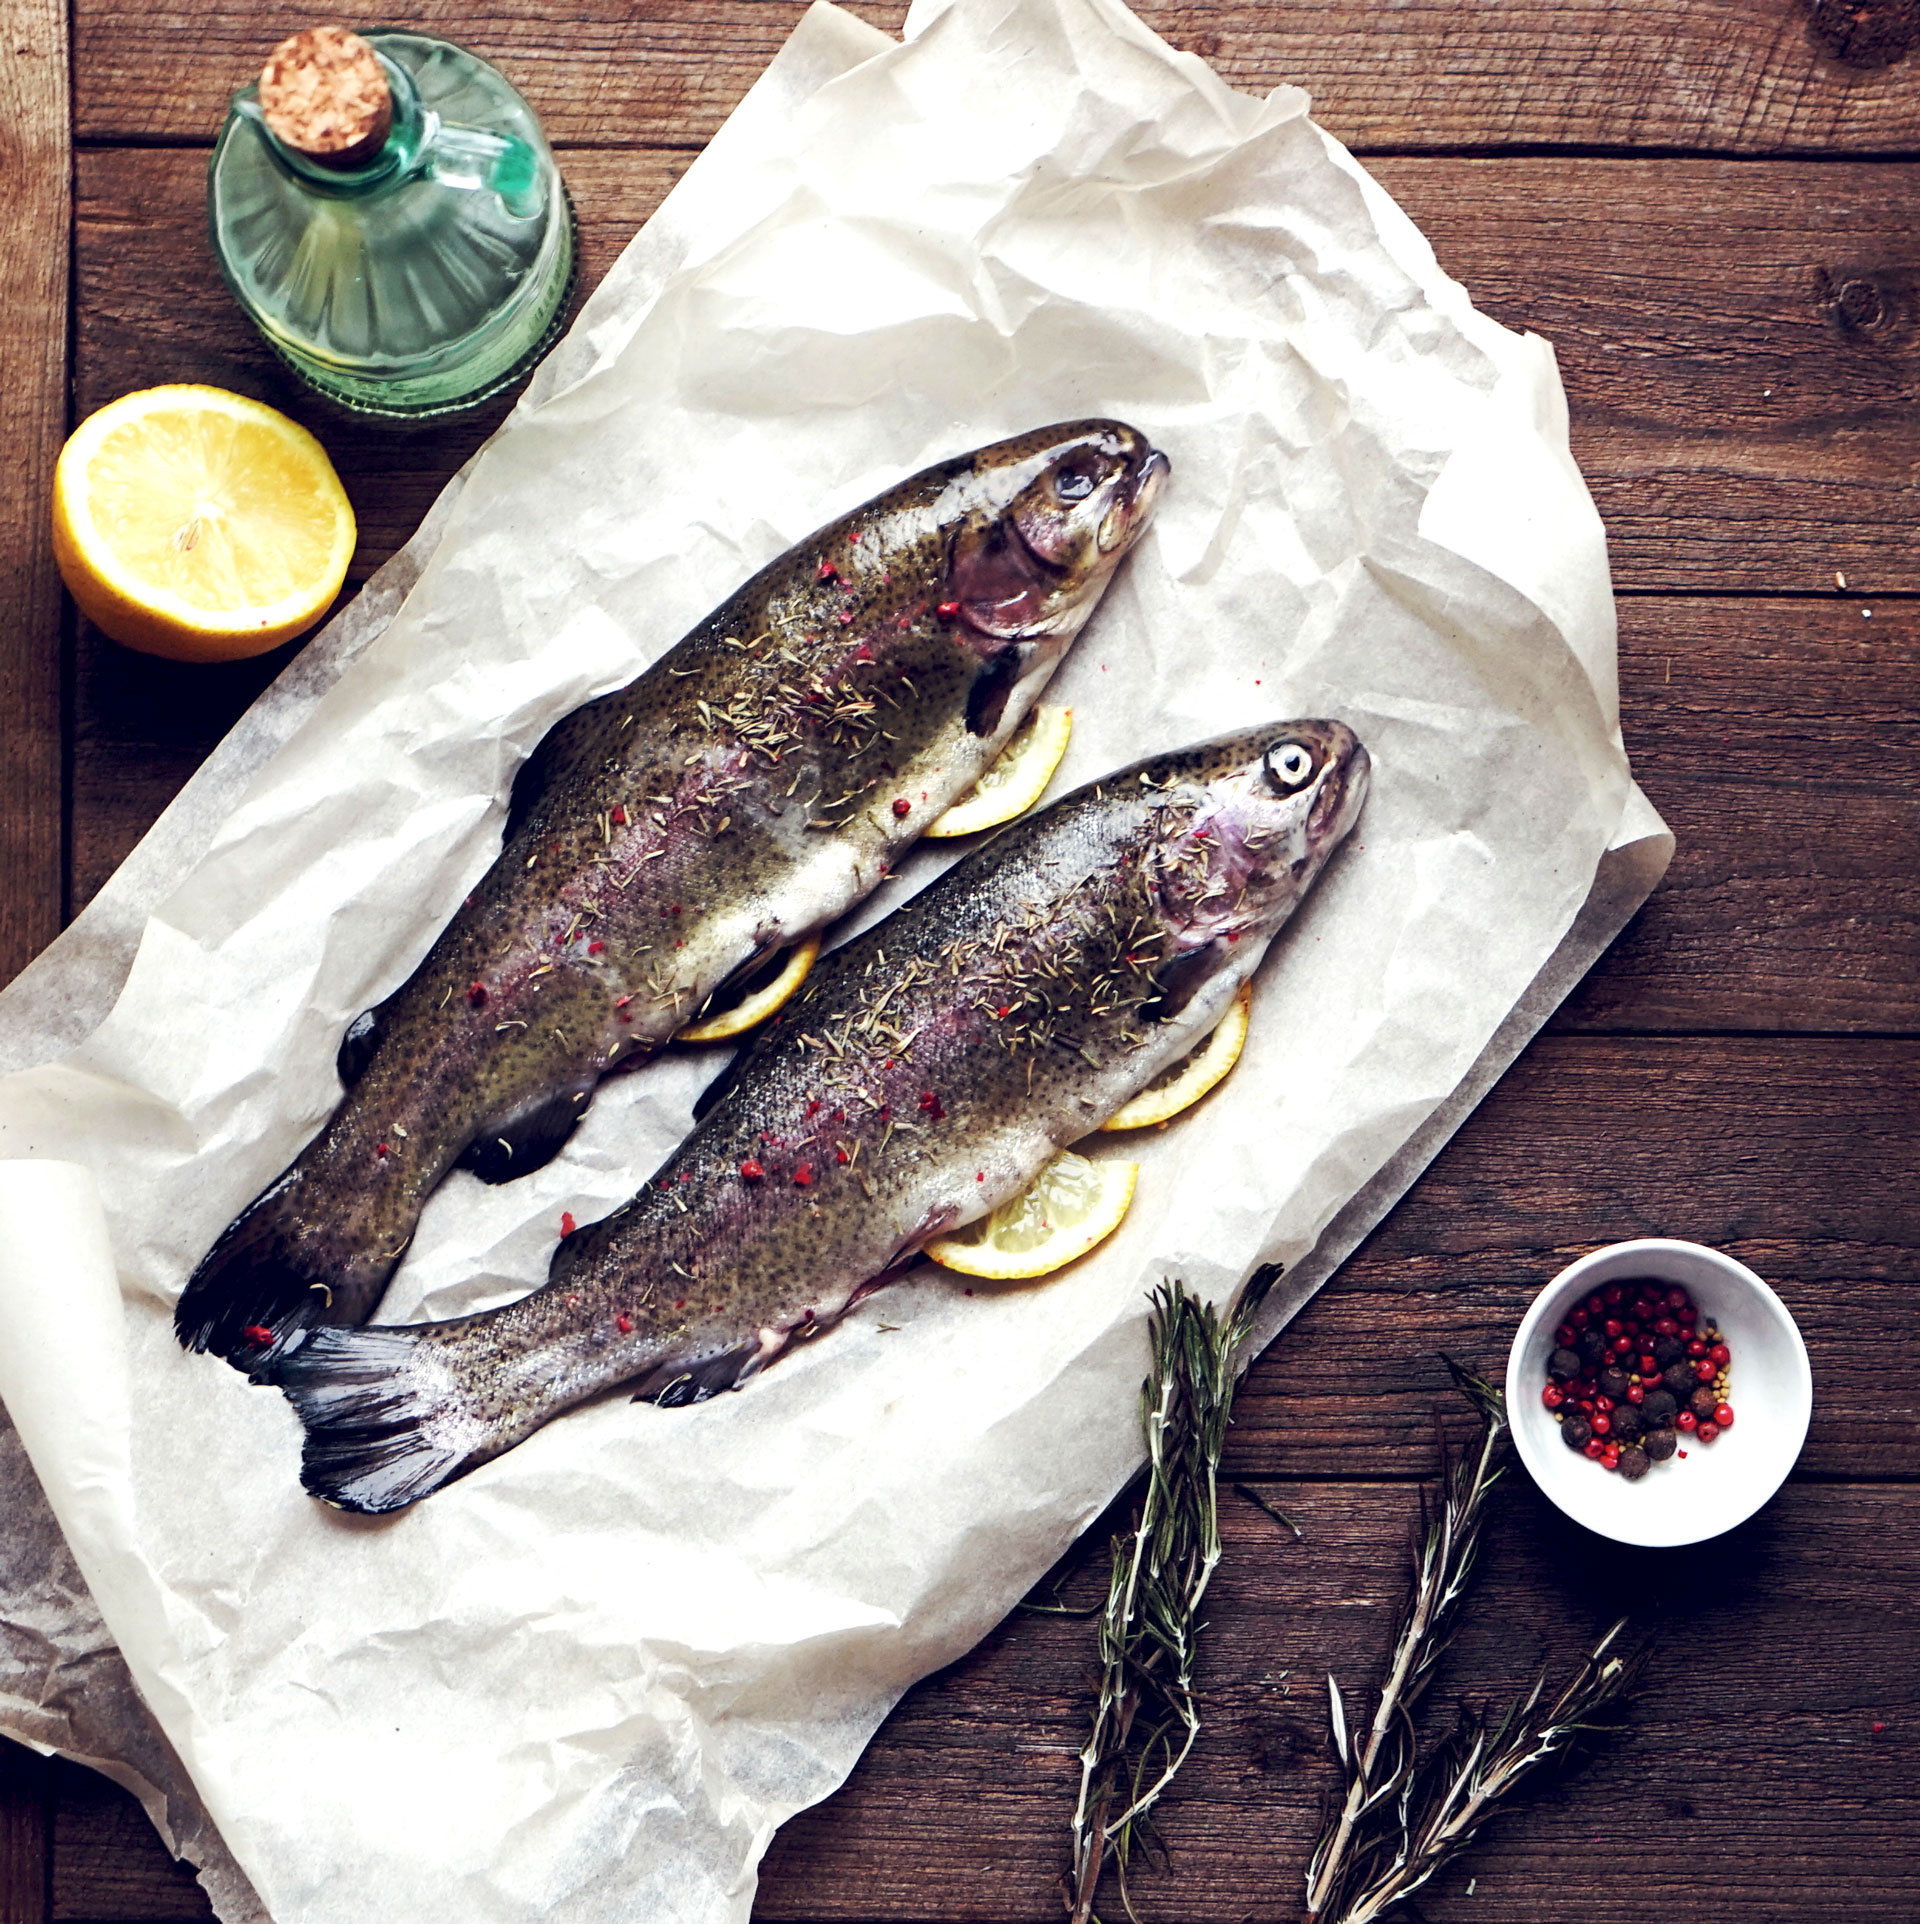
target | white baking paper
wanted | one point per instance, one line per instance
(587, 1682)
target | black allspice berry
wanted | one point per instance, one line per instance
(1677, 1379)
(1576, 1432)
(1660, 1444)
(1613, 1383)
(1563, 1365)
(1658, 1411)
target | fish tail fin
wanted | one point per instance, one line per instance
(387, 1420)
(259, 1286)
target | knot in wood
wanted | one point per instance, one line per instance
(1858, 303)
(1864, 34)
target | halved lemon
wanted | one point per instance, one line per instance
(1194, 1074)
(1069, 1207)
(197, 524)
(1017, 779)
(754, 1008)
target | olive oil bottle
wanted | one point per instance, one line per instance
(387, 211)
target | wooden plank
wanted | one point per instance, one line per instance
(1721, 75)
(1739, 346)
(35, 217)
(1797, 1157)
(23, 1835)
(109, 1865)
(1781, 741)
(1752, 1784)
(1739, 430)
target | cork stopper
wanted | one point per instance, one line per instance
(324, 94)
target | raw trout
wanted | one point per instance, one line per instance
(754, 784)
(924, 1075)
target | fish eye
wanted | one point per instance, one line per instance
(1290, 766)
(1073, 484)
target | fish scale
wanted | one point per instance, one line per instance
(924, 1075)
(755, 783)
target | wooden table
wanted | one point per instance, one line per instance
(1712, 209)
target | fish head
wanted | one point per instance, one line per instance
(1068, 504)
(1248, 823)
(1091, 501)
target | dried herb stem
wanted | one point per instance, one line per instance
(1442, 1809)
(1379, 1768)
(1404, 1816)
(1147, 1714)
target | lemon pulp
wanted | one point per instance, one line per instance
(198, 524)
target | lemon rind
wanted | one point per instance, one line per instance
(1053, 726)
(1145, 1110)
(757, 1008)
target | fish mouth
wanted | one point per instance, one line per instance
(1139, 493)
(1343, 792)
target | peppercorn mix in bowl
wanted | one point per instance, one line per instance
(1596, 1454)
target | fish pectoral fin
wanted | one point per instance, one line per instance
(1181, 978)
(528, 1139)
(987, 698)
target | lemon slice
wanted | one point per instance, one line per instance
(1071, 1205)
(755, 1009)
(196, 524)
(1193, 1075)
(1017, 779)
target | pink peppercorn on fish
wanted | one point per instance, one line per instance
(922, 1076)
(753, 785)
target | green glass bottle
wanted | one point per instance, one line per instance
(386, 210)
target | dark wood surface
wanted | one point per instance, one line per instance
(1708, 208)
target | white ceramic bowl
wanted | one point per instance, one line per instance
(1721, 1483)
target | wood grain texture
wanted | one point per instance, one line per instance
(24, 1838)
(1740, 76)
(1740, 345)
(1750, 1783)
(109, 1866)
(35, 221)
(1781, 741)
(1796, 1156)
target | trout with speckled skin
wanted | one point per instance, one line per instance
(925, 1073)
(754, 784)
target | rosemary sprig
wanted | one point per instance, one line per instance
(1443, 1806)
(1147, 1715)
(1403, 1817)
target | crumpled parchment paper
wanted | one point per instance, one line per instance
(587, 1682)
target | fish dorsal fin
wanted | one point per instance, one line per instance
(357, 1046)
(529, 1139)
